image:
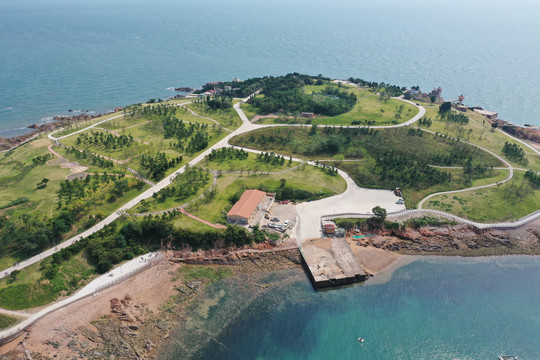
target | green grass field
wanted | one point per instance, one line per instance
(6, 321)
(186, 222)
(121, 154)
(227, 118)
(18, 179)
(489, 204)
(305, 177)
(31, 289)
(249, 164)
(480, 135)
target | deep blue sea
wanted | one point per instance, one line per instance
(57, 55)
(434, 308)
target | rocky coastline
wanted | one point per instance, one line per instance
(58, 122)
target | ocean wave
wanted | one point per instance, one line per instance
(170, 88)
(7, 108)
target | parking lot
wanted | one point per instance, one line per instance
(281, 218)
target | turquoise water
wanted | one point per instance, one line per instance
(434, 308)
(57, 55)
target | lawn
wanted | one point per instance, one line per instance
(18, 178)
(227, 118)
(121, 154)
(481, 135)
(30, 289)
(6, 321)
(489, 204)
(116, 169)
(305, 177)
(184, 221)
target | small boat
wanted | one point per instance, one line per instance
(361, 339)
(508, 357)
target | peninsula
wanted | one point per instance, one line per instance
(111, 222)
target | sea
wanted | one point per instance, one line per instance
(95, 55)
(446, 308)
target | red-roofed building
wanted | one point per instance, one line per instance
(245, 208)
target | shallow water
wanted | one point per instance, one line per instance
(57, 55)
(433, 308)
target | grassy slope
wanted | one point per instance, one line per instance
(227, 118)
(306, 177)
(487, 204)
(249, 164)
(481, 135)
(42, 201)
(6, 321)
(122, 153)
(31, 290)
(297, 141)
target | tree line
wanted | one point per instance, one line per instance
(514, 152)
(227, 153)
(155, 166)
(107, 140)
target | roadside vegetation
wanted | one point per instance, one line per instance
(504, 202)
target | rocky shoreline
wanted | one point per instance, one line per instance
(59, 122)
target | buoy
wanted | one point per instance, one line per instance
(361, 339)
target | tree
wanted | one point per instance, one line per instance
(379, 212)
(445, 107)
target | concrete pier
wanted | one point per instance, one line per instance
(331, 262)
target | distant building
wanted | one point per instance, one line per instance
(236, 80)
(463, 108)
(491, 115)
(460, 99)
(307, 115)
(437, 93)
(227, 88)
(245, 208)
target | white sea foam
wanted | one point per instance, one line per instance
(7, 108)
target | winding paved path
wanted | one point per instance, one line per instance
(307, 224)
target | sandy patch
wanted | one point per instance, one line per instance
(69, 165)
(56, 162)
(76, 176)
(373, 260)
(78, 169)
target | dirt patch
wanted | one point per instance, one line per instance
(56, 162)
(69, 165)
(56, 334)
(78, 169)
(76, 176)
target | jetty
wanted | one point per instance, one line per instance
(330, 261)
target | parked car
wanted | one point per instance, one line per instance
(286, 222)
(400, 202)
(274, 219)
(284, 202)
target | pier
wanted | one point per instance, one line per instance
(331, 262)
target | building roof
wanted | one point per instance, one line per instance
(246, 206)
